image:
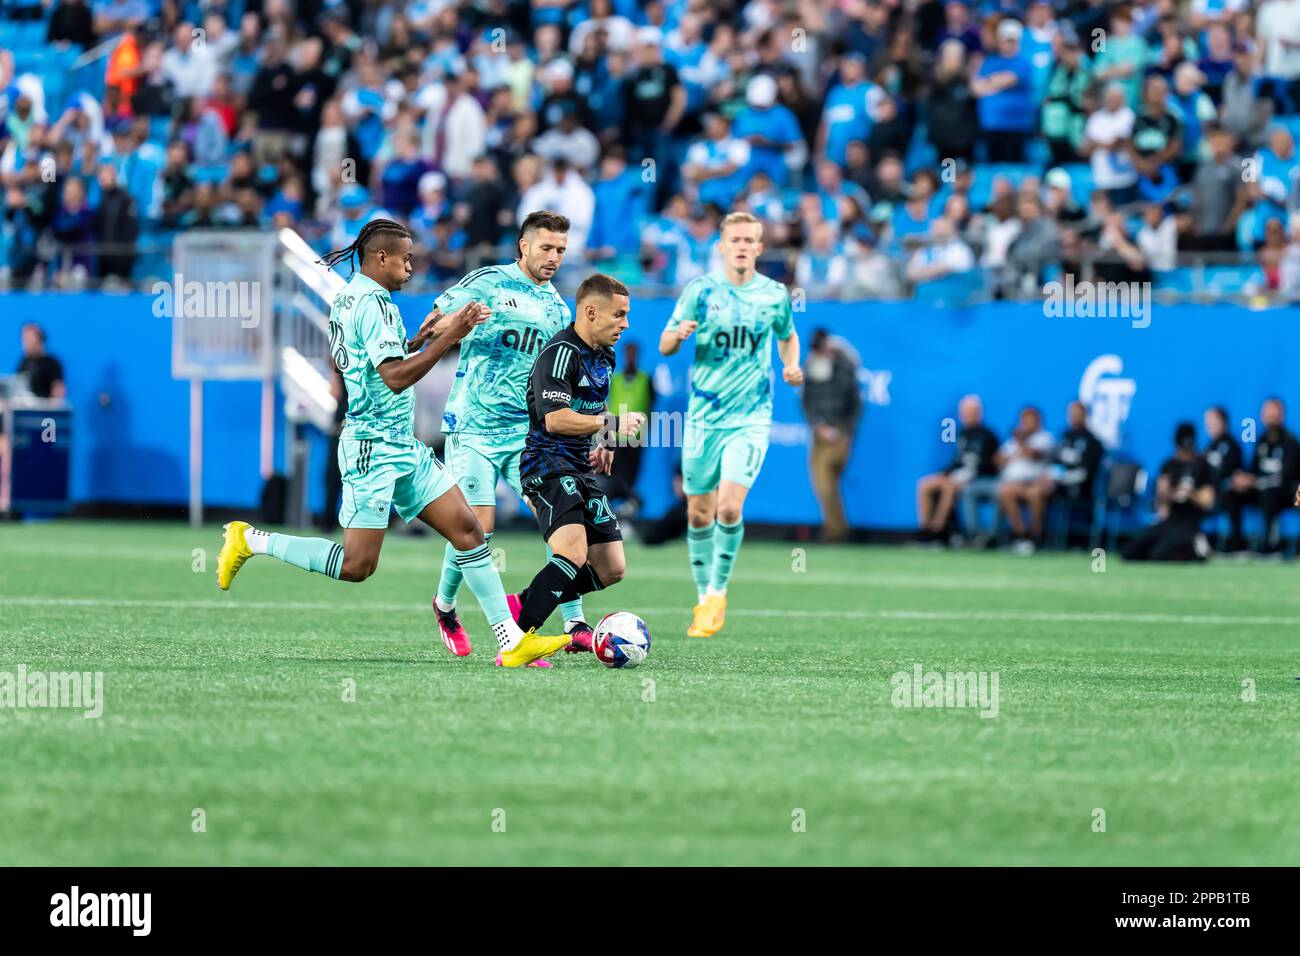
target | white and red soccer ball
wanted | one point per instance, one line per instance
(621, 639)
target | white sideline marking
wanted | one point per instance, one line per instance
(1063, 617)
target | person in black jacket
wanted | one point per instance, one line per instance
(952, 116)
(116, 226)
(71, 22)
(1271, 481)
(832, 403)
(973, 473)
(1074, 465)
(1184, 495)
(1222, 454)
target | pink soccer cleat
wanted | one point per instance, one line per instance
(452, 631)
(537, 663)
(581, 637)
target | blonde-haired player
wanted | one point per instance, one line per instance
(733, 315)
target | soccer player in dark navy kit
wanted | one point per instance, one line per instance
(567, 394)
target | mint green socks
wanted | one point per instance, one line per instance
(726, 544)
(311, 554)
(699, 547)
(449, 583)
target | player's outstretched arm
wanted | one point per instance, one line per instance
(672, 339)
(401, 374)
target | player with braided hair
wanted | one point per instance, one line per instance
(382, 462)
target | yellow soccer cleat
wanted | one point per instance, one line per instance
(533, 646)
(699, 624)
(716, 605)
(234, 552)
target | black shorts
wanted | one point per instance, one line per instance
(560, 500)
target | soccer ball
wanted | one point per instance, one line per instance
(621, 639)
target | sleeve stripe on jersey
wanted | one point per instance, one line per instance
(561, 363)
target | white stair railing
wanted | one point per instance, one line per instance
(303, 296)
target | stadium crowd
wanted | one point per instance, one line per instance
(889, 145)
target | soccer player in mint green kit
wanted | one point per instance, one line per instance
(486, 419)
(734, 315)
(382, 462)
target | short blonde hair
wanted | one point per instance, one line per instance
(736, 218)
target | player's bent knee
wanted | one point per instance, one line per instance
(612, 573)
(357, 569)
(729, 513)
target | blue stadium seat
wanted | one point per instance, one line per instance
(1184, 280)
(1231, 280)
(1246, 231)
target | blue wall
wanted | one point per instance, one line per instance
(918, 361)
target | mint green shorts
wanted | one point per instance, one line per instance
(477, 461)
(712, 455)
(378, 475)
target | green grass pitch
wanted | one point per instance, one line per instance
(776, 742)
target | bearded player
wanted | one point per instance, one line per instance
(486, 418)
(382, 462)
(733, 314)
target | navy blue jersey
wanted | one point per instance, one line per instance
(568, 373)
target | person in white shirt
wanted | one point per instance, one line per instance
(1023, 459)
(1158, 238)
(945, 255)
(562, 190)
(568, 140)
(1106, 143)
(1277, 27)
(619, 31)
(455, 129)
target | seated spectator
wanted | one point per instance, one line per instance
(1023, 460)
(568, 140)
(891, 131)
(823, 267)
(1034, 245)
(1276, 168)
(1184, 496)
(1158, 238)
(73, 229)
(621, 198)
(1222, 454)
(1121, 259)
(1059, 204)
(1072, 470)
(714, 164)
(972, 473)
(1270, 483)
(945, 255)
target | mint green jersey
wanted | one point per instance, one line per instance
(365, 331)
(731, 380)
(489, 393)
